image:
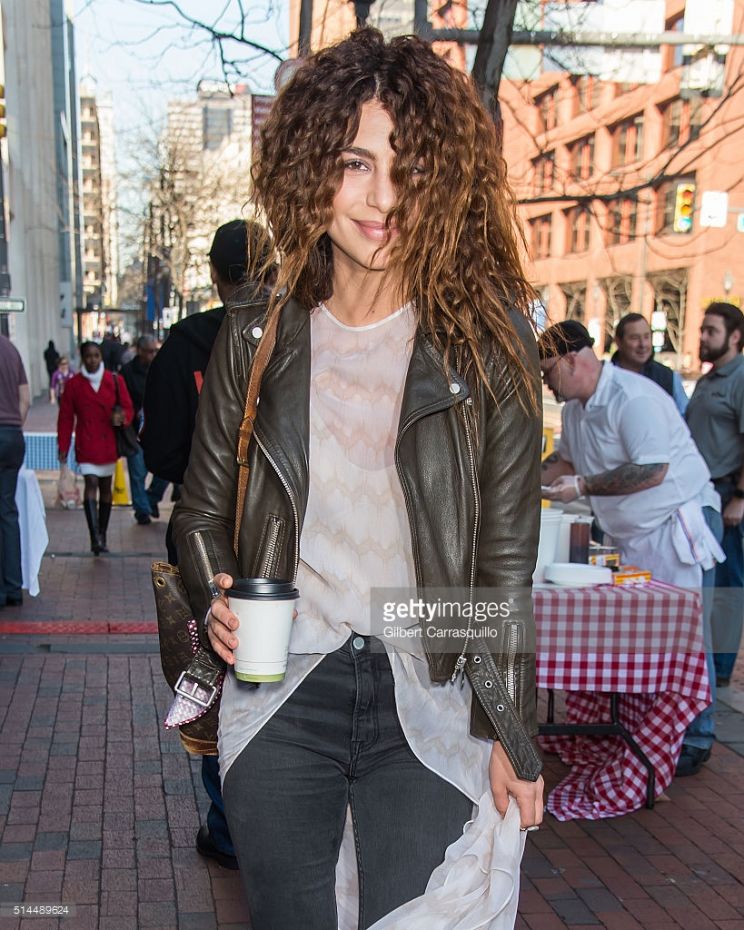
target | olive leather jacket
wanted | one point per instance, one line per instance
(472, 491)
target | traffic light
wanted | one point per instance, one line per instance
(3, 126)
(684, 202)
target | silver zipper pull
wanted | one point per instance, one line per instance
(459, 666)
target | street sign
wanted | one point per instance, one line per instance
(12, 304)
(740, 223)
(713, 209)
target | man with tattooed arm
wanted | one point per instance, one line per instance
(625, 447)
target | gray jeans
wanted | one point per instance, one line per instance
(337, 743)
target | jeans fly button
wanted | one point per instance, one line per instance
(357, 643)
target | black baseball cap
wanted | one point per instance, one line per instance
(229, 252)
(565, 337)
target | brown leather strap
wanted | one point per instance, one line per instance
(260, 361)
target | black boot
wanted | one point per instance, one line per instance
(91, 515)
(104, 512)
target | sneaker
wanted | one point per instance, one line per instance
(691, 760)
(205, 847)
(143, 518)
(722, 681)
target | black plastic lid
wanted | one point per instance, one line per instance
(263, 589)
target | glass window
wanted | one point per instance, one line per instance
(540, 230)
(217, 126)
(672, 122)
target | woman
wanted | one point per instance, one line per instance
(90, 406)
(396, 447)
(60, 378)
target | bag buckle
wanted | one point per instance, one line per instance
(194, 690)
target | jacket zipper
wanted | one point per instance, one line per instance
(268, 566)
(409, 509)
(295, 513)
(201, 552)
(461, 660)
(512, 647)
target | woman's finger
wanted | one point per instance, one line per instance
(217, 644)
(500, 798)
(224, 581)
(526, 803)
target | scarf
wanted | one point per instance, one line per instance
(93, 378)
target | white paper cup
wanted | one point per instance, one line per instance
(264, 607)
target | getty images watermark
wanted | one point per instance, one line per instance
(446, 618)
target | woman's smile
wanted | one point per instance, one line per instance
(376, 231)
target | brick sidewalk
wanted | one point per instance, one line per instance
(99, 807)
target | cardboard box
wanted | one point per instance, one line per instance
(631, 574)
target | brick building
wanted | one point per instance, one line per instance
(599, 169)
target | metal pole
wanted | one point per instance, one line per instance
(306, 28)
(421, 25)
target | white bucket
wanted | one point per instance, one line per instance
(550, 527)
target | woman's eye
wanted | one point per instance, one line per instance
(354, 164)
(418, 170)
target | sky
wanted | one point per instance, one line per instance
(145, 55)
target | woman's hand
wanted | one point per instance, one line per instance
(222, 622)
(504, 783)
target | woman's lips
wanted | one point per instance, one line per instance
(377, 232)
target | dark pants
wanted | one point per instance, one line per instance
(728, 608)
(12, 450)
(701, 733)
(143, 500)
(337, 743)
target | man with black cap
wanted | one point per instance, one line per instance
(625, 447)
(174, 381)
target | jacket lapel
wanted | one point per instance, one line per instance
(427, 387)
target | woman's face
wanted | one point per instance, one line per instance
(91, 359)
(366, 196)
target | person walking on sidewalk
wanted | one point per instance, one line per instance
(87, 408)
(51, 359)
(396, 445)
(60, 378)
(174, 381)
(144, 500)
(15, 400)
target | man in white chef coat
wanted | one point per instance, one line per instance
(625, 447)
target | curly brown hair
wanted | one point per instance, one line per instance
(459, 257)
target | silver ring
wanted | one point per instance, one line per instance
(529, 829)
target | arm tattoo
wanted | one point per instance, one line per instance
(625, 479)
(550, 460)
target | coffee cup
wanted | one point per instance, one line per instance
(264, 607)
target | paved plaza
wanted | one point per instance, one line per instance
(99, 806)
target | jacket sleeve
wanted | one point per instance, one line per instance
(65, 419)
(510, 518)
(166, 436)
(204, 518)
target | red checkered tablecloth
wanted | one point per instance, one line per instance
(642, 641)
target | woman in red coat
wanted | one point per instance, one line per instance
(89, 404)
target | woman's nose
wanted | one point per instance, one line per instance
(381, 194)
